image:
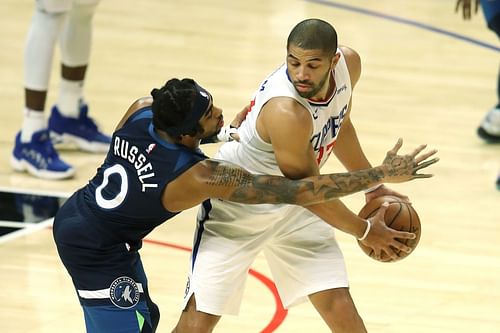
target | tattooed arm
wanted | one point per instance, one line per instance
(218, 179)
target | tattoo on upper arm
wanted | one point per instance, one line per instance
(223, 174)
(245, 187)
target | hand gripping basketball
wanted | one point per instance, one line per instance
(395, 229)
(402, 168)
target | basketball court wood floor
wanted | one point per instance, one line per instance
(418, 83)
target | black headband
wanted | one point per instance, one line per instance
(201, 105)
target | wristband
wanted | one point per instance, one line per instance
(373, 189)
(225, 133)
(367, 230)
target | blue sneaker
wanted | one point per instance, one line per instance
(39, 158)
(81, 131)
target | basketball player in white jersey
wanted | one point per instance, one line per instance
(299, 116)
(68, 22)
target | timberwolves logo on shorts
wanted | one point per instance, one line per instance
(124, 292)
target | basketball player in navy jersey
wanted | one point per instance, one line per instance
(299, 116)
(489, 130)
(154, 169)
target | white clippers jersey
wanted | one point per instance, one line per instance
(257, 156)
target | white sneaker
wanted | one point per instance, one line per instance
(489, 129)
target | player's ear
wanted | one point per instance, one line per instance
(335, 59)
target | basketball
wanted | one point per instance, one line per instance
(399, 216)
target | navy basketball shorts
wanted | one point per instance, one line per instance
(108, 276)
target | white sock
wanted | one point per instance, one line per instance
(33, 121)
(70, 93)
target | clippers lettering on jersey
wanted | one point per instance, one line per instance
(329, 131)
(129, 152)
(327, 135)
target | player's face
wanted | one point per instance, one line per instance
(212, 121)
(309, 71)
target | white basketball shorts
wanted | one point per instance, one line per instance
(300, 248)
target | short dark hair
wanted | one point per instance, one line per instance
(312, 34)
(172, 105)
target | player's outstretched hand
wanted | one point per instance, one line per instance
(403, 168)
(383, 239)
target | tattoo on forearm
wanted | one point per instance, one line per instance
(337, 185)
(248, 188)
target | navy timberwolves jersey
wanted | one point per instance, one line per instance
(125, 196)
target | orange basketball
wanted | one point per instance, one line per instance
(400, 216)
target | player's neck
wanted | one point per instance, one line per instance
(189, 142)
(185, 140)
(326, 91)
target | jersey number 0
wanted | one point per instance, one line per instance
(120, 196)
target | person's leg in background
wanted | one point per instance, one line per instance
(33, 150)
(494, 25)
(69, 121)
(71, 22)
(489, 130)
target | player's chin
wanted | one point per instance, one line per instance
(306, 93)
